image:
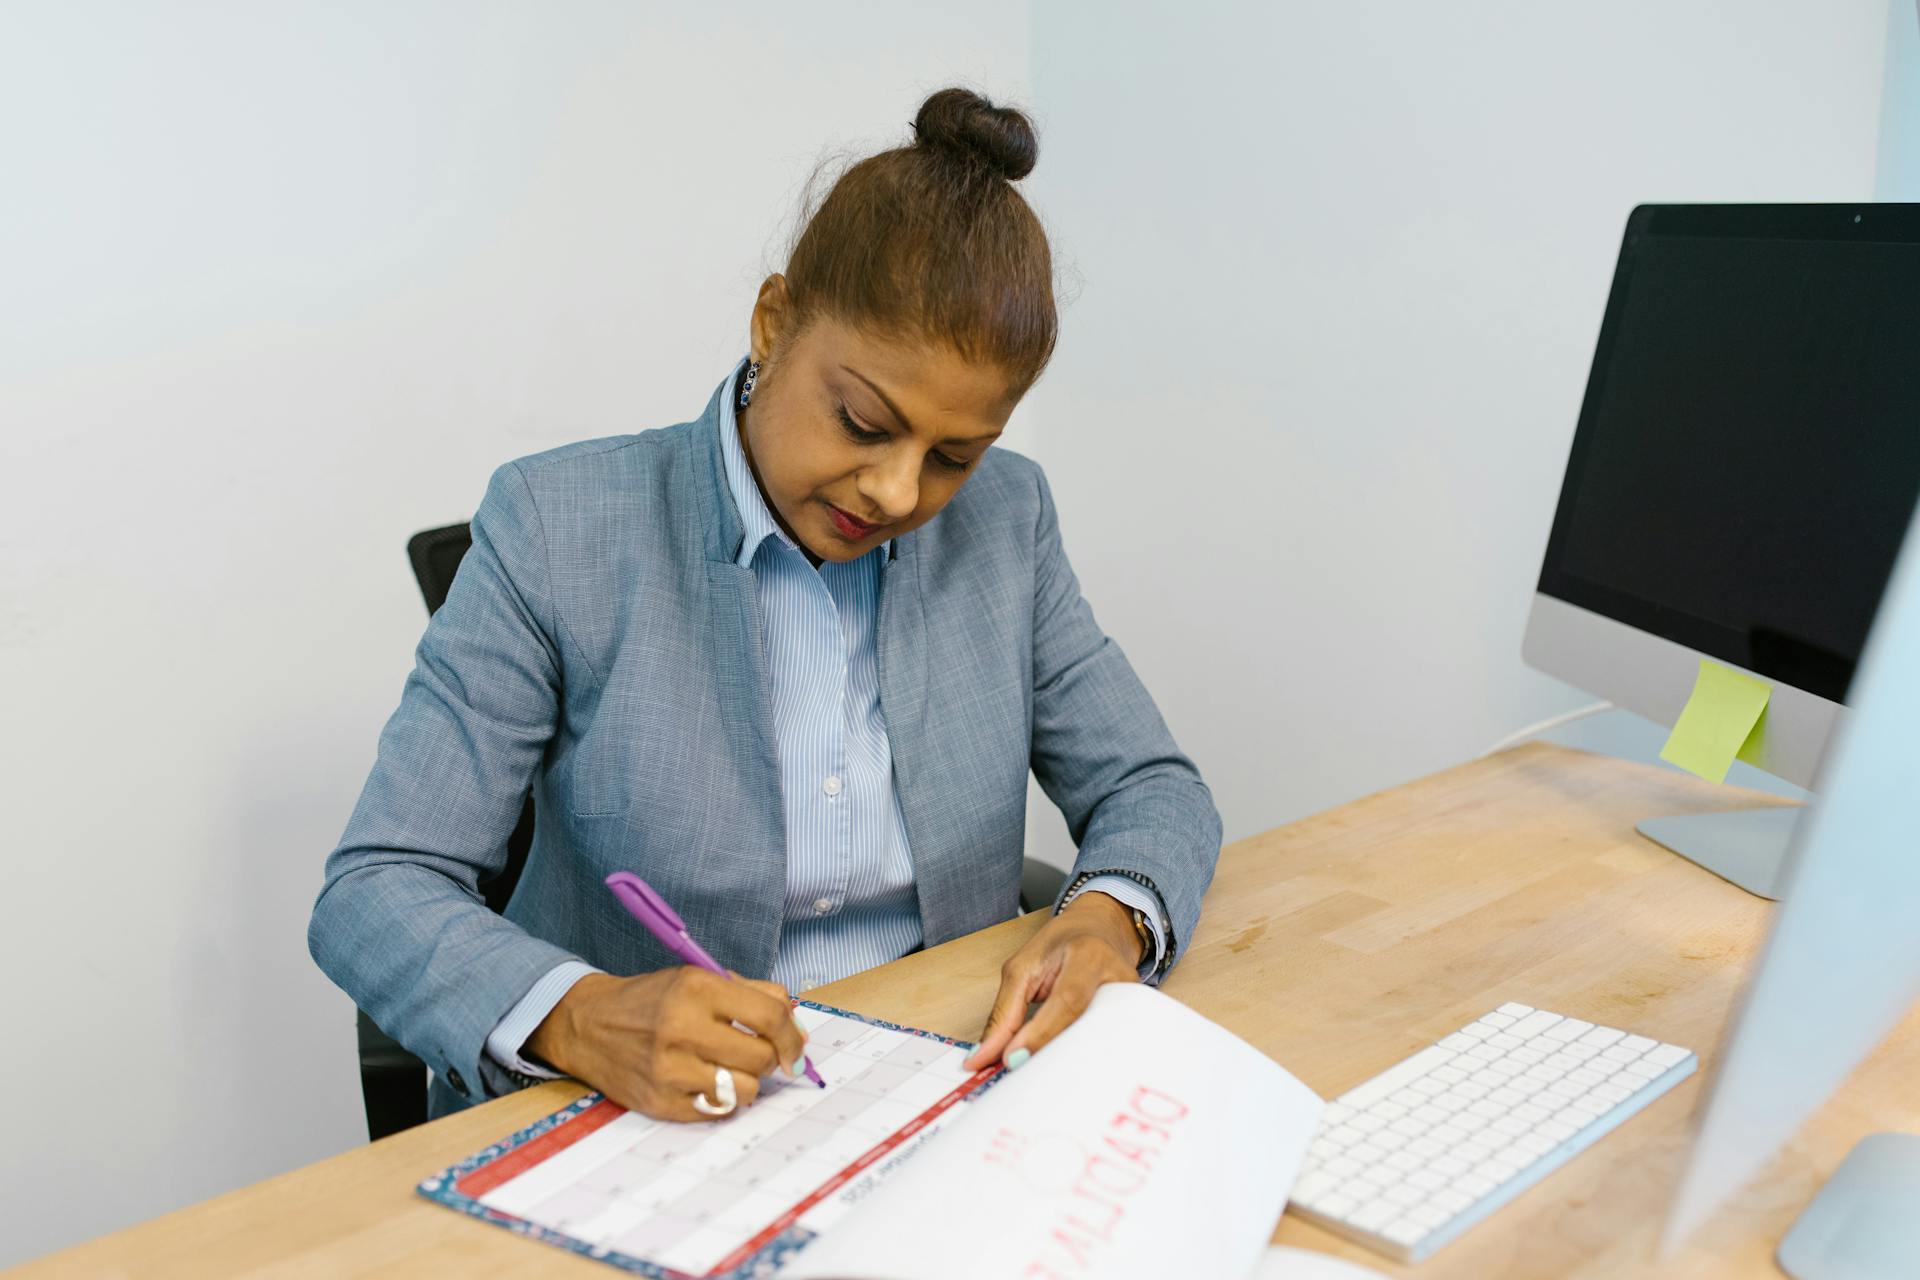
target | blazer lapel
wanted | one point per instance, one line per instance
(939, 875)
(740, 666)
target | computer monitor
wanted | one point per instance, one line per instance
(1840, 968)
(1746, 462)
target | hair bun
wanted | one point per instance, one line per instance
(961, 122)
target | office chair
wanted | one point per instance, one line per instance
(393, 1083)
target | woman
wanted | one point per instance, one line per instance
(791, 662)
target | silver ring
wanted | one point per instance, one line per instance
(722, 1089)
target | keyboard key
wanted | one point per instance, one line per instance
(1343, 1166)
(1473, 1184)
(1613, 1092)
(1459, 1043)
(1666, 1055)
(1646, 1069)
(1567, 1029)
(1344, 1135)
(1404, 1195)
(1314, 1185)
(1524, 1056)
(1388, 1140)
(1496, 1170)
(1426, 1148)
(1368, 1153)
(1506, 1098)
(1592, 1105)
(1534, 1024)
(1639, 1044)
(1585, 1076)
(1408, 1127)
(1604, 1065)
(1477, 1031)
(1404, 1231)
(1448, 1075)
(1579, 1052)
(1531, 1112)
(1474, 1152)
(1553, 1129)
(1449, 1166)
(1534, 1144)
(1427, 1086)
(1615, 1053)
(1452, 1100)
(1526, 1086)
(1372, 1217)
(1545, 1073)
(1451, 1135)
(1513, 1010)
(1601, 1037)
(1387, 1110)
(1470, 1120)
(1336, 1113)
(1366, 1122)
(1512, 1126)
(1408, 1098)
(1428, 1217)
(1497, 1019)
(1451, 1200)
(1397, 1076)
(1404, 1161)
(1337, 1205)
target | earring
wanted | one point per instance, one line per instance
(746, 387)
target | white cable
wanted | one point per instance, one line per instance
(1565, 717)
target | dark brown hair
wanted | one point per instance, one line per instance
(932, 238)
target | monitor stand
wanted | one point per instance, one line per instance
(1861, 1226)
(1747, 847)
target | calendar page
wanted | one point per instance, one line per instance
(734, 1197)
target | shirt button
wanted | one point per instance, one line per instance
(831, 786)
(822, 905)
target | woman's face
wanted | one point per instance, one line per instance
(856, 439)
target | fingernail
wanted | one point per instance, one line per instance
(1017, 1059)
(798, 1069)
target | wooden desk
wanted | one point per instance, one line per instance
(1337, 944)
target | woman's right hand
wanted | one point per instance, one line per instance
(651, 1042)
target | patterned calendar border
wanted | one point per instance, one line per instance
(442, 1188)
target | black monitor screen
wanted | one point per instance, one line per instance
(1748, 454)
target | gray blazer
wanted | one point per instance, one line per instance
(601, 646)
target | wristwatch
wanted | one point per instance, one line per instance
(1145, 930)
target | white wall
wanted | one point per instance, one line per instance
(1343, 266)
(282, 285)
(1900, 106)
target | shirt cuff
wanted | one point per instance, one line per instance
(1139, 897)
(509, 1036)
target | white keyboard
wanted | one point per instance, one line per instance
(1410, 1159)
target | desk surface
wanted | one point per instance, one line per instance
(1338, 945)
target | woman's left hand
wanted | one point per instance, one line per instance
(1090, 942)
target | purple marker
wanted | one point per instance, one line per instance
(651, 910)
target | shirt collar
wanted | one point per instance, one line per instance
(756, 518)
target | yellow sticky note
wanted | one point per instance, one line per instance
(1724, 719)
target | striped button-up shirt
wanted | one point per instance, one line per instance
(850, 901)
